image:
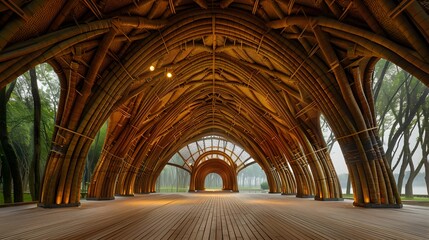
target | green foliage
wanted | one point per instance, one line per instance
(264, 185)
(173, 179)
(27, 197)
(20, 116)
(213, 181)
(251, 177)
(93, 155)
(420, 199)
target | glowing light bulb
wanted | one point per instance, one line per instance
(169, 75)
(152, 68)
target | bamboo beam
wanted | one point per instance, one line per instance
(333, 7)
(171, 6)
(15, 8)
(400, 8)
(225, 3)
(201, 3)
(91, 76)
(420, 18)
(255, 6)
(59, 19)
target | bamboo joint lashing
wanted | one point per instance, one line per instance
(260, 42)
(334, 65)
(124, 113)
(74, 132)
(116, 58)
(310, 153)
(356, 133)
(163, 41)
(299, 67)
(306, 109)
(58, 149)
(113, 155)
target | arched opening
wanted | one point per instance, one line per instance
(252, 179)
(92, 158)
(400, 105)
(223, 169)
(213, 182)
(338, 161)
(173, 179)
(28, 111)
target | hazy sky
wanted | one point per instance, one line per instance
(338, 159)
(340, 165)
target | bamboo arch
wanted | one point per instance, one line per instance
(229, 179)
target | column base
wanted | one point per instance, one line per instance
(53, 205)
(373, 205)
(305, 196)
(100, 198)
(125, 195)
(288, 194)
(317, 198)
(274, 192)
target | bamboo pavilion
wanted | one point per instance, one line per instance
(258, 73)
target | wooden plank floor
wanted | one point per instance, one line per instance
(214, 216)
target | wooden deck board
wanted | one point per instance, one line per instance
(213, 216)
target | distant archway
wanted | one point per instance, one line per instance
(225, 171)
(213, 182)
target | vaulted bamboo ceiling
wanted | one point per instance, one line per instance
(257, 72)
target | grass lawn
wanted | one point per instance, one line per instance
(425, 199)
(27, 197)
(418, 201)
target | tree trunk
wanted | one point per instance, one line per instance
(348, 184)
(8, 151)
(35, 165)
(7, 180)
(401, 176)
(409, 188)
(427, 176)
(92, 159)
